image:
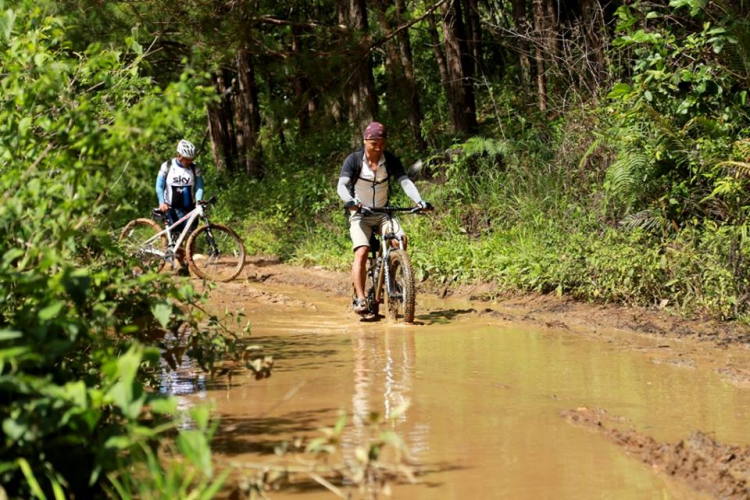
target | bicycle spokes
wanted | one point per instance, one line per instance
(216, 252)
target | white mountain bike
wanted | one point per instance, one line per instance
(213, 251)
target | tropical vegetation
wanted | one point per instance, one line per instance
(594, 150)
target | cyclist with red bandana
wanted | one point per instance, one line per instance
(365, 181)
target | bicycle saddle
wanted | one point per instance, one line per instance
(158, 215)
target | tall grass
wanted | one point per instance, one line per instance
(531, 214)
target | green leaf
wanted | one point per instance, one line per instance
(194, 445)
(118, 443)
(13, 429)
(9, 335)
(50, 311)
(127, 393)
(7, 19)
(620, 90)
(36, 490)
(162, 312)
(11, 255)
(201, 415)
(163, 405)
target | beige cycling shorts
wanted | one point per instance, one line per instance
(361, 227)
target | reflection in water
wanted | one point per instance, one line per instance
(186, 380)
(383, 369)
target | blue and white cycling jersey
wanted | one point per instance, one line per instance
(178, 186)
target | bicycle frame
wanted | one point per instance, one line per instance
(190, 217)
(385, 251)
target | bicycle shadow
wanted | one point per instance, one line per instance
(443, 317)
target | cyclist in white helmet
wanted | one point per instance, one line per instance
(179, 185)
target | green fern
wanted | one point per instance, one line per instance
(479, 146)
(649, 220)
(626, 175)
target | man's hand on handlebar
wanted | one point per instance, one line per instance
(353, 204)
(425, 206)
(163, 207)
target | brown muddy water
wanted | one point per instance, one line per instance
(486, 399)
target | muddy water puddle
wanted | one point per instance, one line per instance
(486, 399)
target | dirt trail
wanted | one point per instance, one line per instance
(703, 463)
(721, 347)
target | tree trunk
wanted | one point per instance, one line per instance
(248, 117)
(474, 40)
(438, 51)
(302, 99)
(407, 61)
(461, 90)
(522, 27)
(550, 27)
(403, 99)
(362, 102)
(541, 77)
(220, 125)
(592, 16)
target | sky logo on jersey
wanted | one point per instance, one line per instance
(177, 180)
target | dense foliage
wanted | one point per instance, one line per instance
(570, 147)
(81, 337)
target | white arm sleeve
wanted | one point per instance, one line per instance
(343, 190)
(410, 189)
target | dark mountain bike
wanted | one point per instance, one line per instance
(389, 275)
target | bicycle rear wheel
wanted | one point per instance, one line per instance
(215, 253)
(132, 239)
(401, 306)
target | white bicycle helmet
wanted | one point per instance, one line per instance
(186, 149)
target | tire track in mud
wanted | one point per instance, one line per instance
(699, 461)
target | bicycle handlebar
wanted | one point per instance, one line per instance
(209, 201)
(390, 210)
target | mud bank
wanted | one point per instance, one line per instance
(704, 464)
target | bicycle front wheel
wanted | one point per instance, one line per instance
(400, 299)
(215, 253)
(149, 255)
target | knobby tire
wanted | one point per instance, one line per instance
(202, 259)
(132, 237)
(402, 281)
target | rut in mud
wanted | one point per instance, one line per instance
(700, 461)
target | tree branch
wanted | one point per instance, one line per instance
(403, 27)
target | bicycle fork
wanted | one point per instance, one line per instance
(211, 240)
(385, 276)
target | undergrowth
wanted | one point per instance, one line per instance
(638, 196)
(528, 215)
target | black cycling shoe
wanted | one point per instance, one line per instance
(359, 306)
(184, 270)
